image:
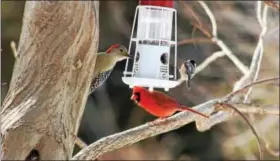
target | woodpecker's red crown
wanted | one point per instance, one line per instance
(112, 47)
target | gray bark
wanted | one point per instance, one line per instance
(48, 91)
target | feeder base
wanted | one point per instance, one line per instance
(149, 82)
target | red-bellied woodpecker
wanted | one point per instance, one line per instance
(105, 62)
(187, 71)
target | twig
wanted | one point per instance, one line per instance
(260, 146)
(222, 116)
(209, 60)
(266, 125)
(211, 16)
(256, 109)
(192, 40)
(258, 53)
(271, 151)
(200, 25)
(272, 4)
(234, 93)
(220, 43)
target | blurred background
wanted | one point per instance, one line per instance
(109, 109)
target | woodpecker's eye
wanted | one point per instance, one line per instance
(121, 50)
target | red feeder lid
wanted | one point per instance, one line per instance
(161, 3)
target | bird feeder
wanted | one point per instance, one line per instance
(151, 44)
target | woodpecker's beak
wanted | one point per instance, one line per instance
(128, 55)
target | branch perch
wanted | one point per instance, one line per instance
(128, 137)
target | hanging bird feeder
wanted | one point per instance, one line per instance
(151, 45)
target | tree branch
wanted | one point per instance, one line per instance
(208, 61)
(256, 109)
(258, 53)
(220, 43)
(234, 93)
(260, 145)
(142, 132)
(128, 137)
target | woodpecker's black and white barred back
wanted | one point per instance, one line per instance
(105, 63)
(99, 80)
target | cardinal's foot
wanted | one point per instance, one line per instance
(157, 121)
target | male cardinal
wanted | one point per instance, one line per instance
(157, 103)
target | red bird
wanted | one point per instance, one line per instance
(157, 103)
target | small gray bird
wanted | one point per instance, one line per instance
(187, 71)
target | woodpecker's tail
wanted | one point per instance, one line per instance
(185, 108)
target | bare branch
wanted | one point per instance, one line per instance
(222, 116)
(256, 109)
(209, 60)
(271, 151)
(266, 124)
(147, 130)
(211, 16)
(260, 146)
(200, 25)
(142, 132)
(258, 53)
(220, 43)
(192, 40)
(273, 4)
(234, 93)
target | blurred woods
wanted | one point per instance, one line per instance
(109, 110)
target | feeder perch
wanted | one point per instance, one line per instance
(152, 46)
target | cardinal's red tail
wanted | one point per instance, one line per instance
(185, 108)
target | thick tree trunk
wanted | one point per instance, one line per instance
(48, 91)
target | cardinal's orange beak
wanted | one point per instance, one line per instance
(133, 97)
